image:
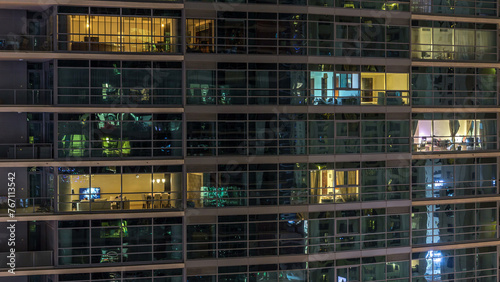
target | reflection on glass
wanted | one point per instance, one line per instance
(119, 135)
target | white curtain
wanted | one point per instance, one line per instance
(464, 43)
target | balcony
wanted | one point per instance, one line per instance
(36, 205)
(26, 151)
(25, 97)
(29, 259)
(36, 43)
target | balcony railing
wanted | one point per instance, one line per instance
(12, 42)
(28, 205)
(26, 151)
(29, 259)
(25, 97)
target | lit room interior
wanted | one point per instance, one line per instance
(330, 186)
(200, 35)
(119, 191)
(448, 135)
(122, 34)
(367, 88)
(327, 186)
(451, 43)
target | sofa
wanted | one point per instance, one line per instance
(97, 205)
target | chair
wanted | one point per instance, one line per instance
(147, 201)
(157, 201)
(165, 203)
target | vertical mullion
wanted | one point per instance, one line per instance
(89, 82)
(153, 121)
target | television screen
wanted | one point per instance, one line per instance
(90, 193)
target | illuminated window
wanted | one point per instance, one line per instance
(118, 34)
(372, 88)
(200, 35)
(451, 43)
(334, 89)
(346, 186)
(329, 186)
(454, 135)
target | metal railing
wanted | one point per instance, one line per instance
(29, 259)
(26, 151)
(28, 205)
(121, 96)
(25, 97)
(17, 42)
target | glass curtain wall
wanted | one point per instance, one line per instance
(445, 86)
(119, 135)
(120, 241)
(296, 184)
(297, 134)
(287, 233)
(116, 188)
(119, 83)
(297, 35)
(459, 132)
(454, 41)
(118, 30)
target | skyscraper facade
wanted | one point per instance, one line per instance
(259, 140)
